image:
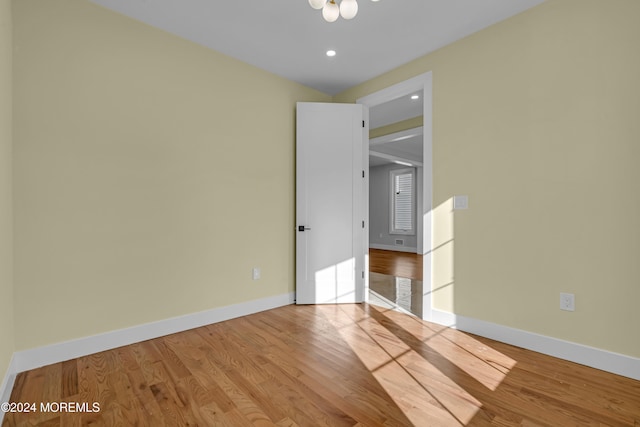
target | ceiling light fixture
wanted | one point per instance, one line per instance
(415, 96)
(331, 53)
(402, 138)
(398, 162)
(331, 11)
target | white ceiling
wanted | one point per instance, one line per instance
(405, 146)
(396, 110)
(289, 38)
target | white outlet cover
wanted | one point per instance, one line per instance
(460, 202)
(256, 273)
(567, 302)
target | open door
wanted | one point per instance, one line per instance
(331, 222)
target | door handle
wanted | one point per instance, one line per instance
(302, 228)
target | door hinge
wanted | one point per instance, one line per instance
(363, 174)
(362, 224)
(363, 123)
(363, 274)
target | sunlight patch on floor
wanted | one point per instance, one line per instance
(406, 376)
(484, 364)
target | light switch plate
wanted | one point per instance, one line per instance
(460, 202)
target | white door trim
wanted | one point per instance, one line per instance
(422, 82)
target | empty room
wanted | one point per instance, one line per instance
(319, 213)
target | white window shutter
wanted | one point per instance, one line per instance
(402, 201)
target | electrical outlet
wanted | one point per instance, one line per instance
(567, 302)
(256, 273)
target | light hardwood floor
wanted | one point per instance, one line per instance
(394, 263)
(332, 365)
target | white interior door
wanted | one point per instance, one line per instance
(330, 211)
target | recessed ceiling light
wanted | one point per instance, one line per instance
(415, 96)
(331, 53)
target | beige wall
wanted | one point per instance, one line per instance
(536, 119)
(151, 174)
(6, 210)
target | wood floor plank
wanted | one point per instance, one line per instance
(69, 378)
(212, 415)
(395, 263)
(340, 365)
(206, 381)
(235, 356)
(92, 376)
(287, 422)
(148, 408)
(173, 412)
(170, 360)
(243, 402)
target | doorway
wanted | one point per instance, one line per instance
(392, 113)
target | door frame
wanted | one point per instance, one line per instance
(422, 82)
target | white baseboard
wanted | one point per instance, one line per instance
(7, 384)
(393, 248)
(54, 353)
(604, 360)
(443, 318)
